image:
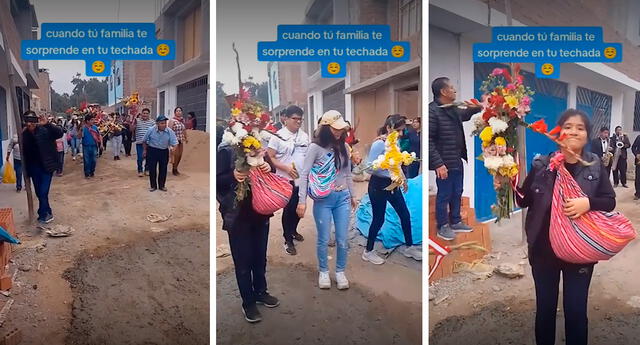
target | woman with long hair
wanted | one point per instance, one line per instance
(326, 178)
(536, 195)
(178, 126)
(379, 196)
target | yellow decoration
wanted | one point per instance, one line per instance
(511, 101)
(250, 142)
(235, 111)
(487, 134)
(393, 159)
(500, 141)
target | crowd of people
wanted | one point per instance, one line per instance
(319, 166)
(84, 135)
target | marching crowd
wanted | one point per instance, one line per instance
(46, 140)
(319, 166)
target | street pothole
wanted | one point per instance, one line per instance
(154, 291)
(310, 316)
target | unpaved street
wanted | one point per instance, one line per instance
(499, 311)
(119, 279)
(382, 306)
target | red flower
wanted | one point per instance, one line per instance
(247, 128)
(265, 117)
(562, 137)
(237, 104)
(271, 128)
(539, 126)
(520, 79)
(555, 130)
(488, 113)
(496, 100)
(475, 101)
(510, 149)
(506, 75)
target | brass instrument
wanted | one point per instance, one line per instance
(607, 155)
(616, 155)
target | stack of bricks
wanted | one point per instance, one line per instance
(480, 235)
(6, 222)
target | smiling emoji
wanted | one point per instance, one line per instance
(97, 66)
(397, 51)
(162, 49)
(610, 52)
(547, 69)
(333, 68)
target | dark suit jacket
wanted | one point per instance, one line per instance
(596, 147)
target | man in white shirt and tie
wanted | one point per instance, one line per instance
(602, 145)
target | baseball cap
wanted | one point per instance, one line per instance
(334, 119)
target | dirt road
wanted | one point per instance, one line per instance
(500, 311)
(382, 306)
(119, 279)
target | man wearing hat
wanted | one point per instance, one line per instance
(40, 158)
(157, 142)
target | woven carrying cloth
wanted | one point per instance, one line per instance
(322, 177)
(592, 237)
(269, 192)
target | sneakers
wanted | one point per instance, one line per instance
(46, 220)
(298, 237)
(446, 233)
(414, 252)
(372, 257)
(252, 314)
(461, 227)
(324, 282)
(267, 300)
(342, 281)
(290, 248)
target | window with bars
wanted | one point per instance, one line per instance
(410, 18)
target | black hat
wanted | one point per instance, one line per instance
(30, 116)
(161, 118)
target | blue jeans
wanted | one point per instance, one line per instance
(449, 195)
(338, 205)
(140, 159)
(17, 166)
(74, 146)
(89, 155)
(41, 183)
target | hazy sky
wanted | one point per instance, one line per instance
(246, 22)
(87, 11)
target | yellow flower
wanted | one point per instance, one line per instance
(504, 171)
(250, 141)
(511, 101)
(235, 111)
(514, 171)
(486, 134)
(500, 141)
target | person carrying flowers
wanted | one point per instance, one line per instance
(447, 149)
(240, 156)
(386, 180)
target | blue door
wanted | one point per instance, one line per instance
(549, 100)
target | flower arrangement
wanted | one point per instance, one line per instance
(246, 132)
(505, 103)
(392, 160)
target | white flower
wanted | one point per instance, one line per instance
(478, 122)
(228, 137)
(236, 127)
(507, 161)
(493, 162)
(497, 125)
(241, 133)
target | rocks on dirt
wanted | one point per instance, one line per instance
(58, 230)
(24, 268)
(222, 251)
(510, 271)
(157, 218)
(634, 302)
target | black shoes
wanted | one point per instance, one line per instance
(625, 186)
(153, 189)
(290, 248)
(267, 300)
(298, 237)
(164, 189)
(252, 314)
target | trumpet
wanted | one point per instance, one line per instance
(616, 155)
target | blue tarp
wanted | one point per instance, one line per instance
(391, 233)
